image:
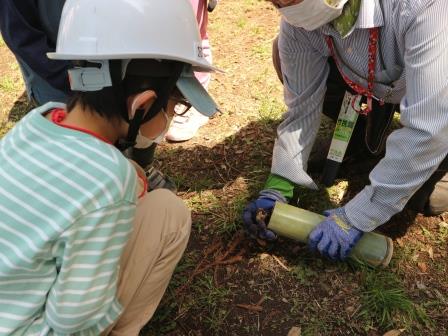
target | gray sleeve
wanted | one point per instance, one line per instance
(305, 72)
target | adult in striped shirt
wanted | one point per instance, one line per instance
(84, 248)
(393, 52)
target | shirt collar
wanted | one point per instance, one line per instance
(370, 15)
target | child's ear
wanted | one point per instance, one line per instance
(143, 100)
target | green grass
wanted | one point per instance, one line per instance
(442, 237)
(261, 51)
(302, 273)
(164, 319)
(385, 302)
(201, 201)
(213, 300)
(242, 22)
(206, 302)
(227, 217)
(270, 110)
(9, 85)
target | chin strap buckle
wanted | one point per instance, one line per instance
(90, 78)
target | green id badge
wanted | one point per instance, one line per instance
(341, 137)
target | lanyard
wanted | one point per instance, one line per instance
(373, 47)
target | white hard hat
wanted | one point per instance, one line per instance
(130, 29)
(102, 30)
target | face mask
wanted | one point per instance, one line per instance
(312, 14)
(143, 141)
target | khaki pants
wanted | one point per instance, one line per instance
(161, 231)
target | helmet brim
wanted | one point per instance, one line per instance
(200, 66)
(196, 94)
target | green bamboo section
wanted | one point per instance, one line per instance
(295, 223)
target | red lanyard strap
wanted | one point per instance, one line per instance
(373, 47)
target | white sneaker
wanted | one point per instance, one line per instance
(184, 127)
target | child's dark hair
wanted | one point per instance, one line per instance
(110, 102)
(104, 103)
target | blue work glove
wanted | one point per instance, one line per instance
(334, 237)
(254, 221)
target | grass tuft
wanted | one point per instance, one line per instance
(270, 110)
(227, 217)
(9, 85)
(384, 301)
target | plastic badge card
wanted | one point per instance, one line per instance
(341, 137)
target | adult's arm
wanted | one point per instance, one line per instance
(305, 73)
(22, 32)
(415, 151)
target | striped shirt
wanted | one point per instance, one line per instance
(412, 70)
(67, 202)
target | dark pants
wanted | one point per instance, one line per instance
(370, 135)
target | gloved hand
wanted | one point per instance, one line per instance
(212, 5)
(257, 213)
(334, 237)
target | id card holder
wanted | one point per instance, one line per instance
(341, 137)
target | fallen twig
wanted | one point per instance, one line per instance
(238, 238)
(215, 276)
(250, 307)
(280, 263)
(260, 302)
(232, 260)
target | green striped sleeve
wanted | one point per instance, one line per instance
(83, 299)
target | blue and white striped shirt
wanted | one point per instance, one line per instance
(412, 70)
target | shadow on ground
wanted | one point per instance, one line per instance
(205, 296)
(21, 107)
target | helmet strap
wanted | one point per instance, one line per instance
(163, 94)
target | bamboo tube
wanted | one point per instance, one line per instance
(295, 223)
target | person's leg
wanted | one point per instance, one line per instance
(145, 158)
(432, 198)
(38, 89)
(185, 126)
(160, 236)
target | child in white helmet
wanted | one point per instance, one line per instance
(84, 248)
